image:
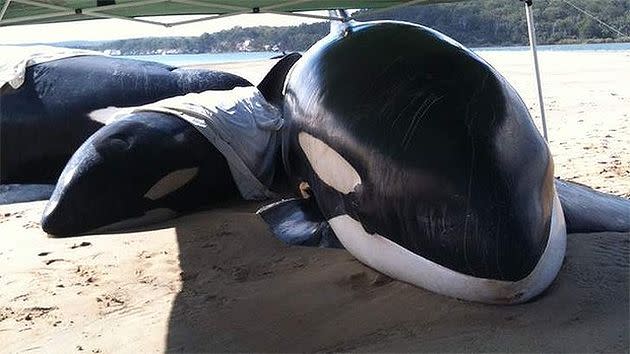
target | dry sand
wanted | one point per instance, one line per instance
(218, 281)
(587, 101)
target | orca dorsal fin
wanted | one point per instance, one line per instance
(272, 84)
(299, 222)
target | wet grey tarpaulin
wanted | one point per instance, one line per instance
(241, 124)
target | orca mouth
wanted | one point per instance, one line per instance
(390, 258)
(149, 217)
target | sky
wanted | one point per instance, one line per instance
(118, 29)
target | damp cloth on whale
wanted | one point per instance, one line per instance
(15, 59)
(241, 124)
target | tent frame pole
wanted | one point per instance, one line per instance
(4, 9)
(532, 44)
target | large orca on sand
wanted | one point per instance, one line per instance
(426, 165)
(145, 167)
(63, 102)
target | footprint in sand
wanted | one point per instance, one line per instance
(31, 225)
(88, 275)
(112, 301)
(8, 216)
(362, 281)
(82, 244)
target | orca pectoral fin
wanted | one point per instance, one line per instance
(21, 193)
(299, 222)
(587, 210)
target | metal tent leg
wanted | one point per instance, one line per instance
(532, 45)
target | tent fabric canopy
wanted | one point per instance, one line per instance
(21, 12)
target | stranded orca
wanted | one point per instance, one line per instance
(62, 102)
(425, 162)
(145, 167)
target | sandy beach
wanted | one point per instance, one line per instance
(217, 280)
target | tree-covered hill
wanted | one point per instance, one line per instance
(473, 23)
(502, 22)
(237, 39)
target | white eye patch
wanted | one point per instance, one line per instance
(328, 164)
(171, 182)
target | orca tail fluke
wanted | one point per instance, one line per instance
(587, 210)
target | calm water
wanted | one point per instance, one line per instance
(566, 47)
(190, 59)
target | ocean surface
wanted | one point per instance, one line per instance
(615, 47)
(191, 59)
(206, 58)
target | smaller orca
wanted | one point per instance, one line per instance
(145, 167)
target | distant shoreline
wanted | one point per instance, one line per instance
(235, 57)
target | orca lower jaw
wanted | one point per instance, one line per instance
(397, 262)
(58, 224)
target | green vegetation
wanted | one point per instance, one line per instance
(503, 23)
(473, 23)
(233, 40)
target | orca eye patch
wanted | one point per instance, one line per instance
(328, 164)
(171, 182)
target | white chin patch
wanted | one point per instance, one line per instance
(397, 262)
(328, 164)
(171, 182)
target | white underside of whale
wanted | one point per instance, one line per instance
(397, 262)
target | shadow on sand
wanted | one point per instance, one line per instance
(245, 291)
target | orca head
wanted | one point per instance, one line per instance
(142, 168)
(425, 163)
